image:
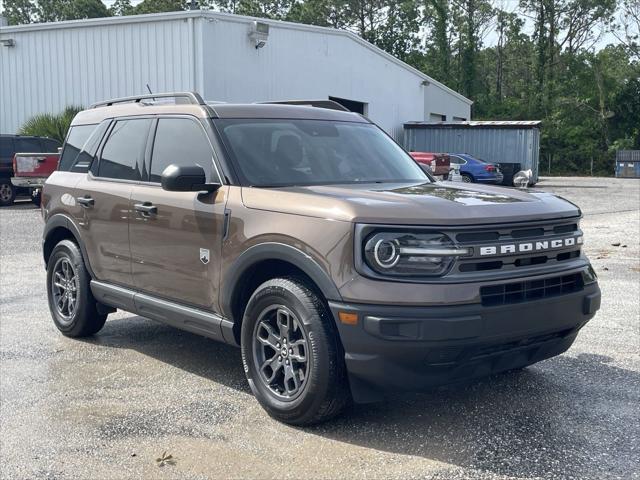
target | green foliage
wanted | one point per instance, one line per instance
(50, 125)
(158, 6)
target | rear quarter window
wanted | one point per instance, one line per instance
(75, 156)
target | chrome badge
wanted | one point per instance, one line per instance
(204, 255)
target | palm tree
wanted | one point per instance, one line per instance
(50, 125)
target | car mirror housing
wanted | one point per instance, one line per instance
(186, 178)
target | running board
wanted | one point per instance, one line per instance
(180, 316)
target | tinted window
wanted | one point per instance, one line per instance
(123, 153)
(50, 145)
(28, 145)
(315, 152)
(75, 140)
(458, 160)
(6, 147)
(181, 141)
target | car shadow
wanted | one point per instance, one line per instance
(557, 416)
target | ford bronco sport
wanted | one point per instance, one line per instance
(308, 238)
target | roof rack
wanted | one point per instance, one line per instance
(329, 104)
(192, 97)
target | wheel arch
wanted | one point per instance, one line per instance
(263, 262)
(60, 227)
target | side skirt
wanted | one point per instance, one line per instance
(180, 316)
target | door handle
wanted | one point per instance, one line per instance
(86, 202)
(146, 209)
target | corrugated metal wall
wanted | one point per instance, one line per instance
(499, 145)
(52, 68)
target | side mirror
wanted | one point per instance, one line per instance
(186, 178)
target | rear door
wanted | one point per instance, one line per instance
(104, 194)
(176, 237)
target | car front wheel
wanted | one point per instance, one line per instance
(292, 356)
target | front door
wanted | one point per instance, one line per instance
(176, 237)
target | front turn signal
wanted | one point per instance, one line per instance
(348, 318)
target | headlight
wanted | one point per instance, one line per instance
(403, 254)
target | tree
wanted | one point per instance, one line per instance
(121, 7)
(50, 125)
(19, 12)
(159, 6)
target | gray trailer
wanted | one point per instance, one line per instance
(515, 145)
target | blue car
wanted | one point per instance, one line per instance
(474, 170)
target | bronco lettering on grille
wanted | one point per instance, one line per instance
(525, 247)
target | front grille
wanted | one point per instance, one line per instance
(518, 292)
(522, 261)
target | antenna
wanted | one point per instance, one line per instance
(149, 88)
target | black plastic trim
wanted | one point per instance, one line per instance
(194, 320)
(274, 251)
(60, 220)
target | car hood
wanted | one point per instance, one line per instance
(438, 203)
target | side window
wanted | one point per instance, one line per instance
(28, 145)
(123, 153)
(76, 138)
(6, 147)
(181, 141)
(50, 145)
(458, 160)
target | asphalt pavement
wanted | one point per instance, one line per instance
(112, 405)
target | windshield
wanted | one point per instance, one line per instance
(283, 152)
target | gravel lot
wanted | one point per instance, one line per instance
(109, 406)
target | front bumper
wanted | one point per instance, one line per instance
(413, 348)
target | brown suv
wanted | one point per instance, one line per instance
(310, 239)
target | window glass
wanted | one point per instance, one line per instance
(457, 160)
(50, 145)
(123, 153)
(76, 138)
(28, 145)
(181, 141)
(6, 147)
(315, 152)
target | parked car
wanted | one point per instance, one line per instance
(438, 163)
(30, 170)
(9, 146)
(309, 239)
(474, 170)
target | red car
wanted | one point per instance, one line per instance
(30, 170)
(438, 162)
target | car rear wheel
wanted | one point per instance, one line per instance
(466, 178)
(7, 192)
(292, 356)
(71, 302)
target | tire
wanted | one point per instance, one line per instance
(7, 192)
(83, 319)
(466, 178)
(321, 391)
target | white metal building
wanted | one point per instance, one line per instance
(45, 67)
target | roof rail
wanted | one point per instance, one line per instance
(329, 104)
(192, 97)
